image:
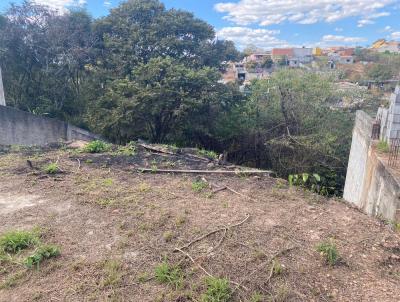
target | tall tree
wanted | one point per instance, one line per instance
(43, 56)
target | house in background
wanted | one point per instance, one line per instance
(280, 54)
(382, 45)
(303, 55)
(257, 57)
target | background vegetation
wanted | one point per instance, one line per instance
(147, 72)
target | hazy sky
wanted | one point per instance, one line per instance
(277, 23)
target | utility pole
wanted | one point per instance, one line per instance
(2, 98)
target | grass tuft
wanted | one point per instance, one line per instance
(51, 168)
(199, 185)
(15, 241)
(40, 254)
(329, 251)
(112, 272)
(169, 274)
(383, 146)
(218, 290)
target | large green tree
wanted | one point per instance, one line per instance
(156, 101)
(43, 55)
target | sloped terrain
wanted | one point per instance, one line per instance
(115, 225)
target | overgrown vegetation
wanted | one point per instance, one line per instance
(158, 78)
(329, 251)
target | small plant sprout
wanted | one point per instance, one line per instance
(218, 290)
(51, 168)
(199, 185)
(96, 146)
(166, 273)
(41, 253)
(329, 251)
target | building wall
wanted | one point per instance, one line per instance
(23, 128)
(369, 183)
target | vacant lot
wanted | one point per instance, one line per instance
(124, 235)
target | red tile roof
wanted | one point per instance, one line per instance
(282, 52)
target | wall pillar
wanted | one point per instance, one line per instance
(2, 98)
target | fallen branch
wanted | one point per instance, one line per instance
(219, 190)
(227, 188)
(249, 172)
(225, 229)
(271, 273)
(156, 149)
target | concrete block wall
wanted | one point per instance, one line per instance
(356, 169)
(370, 184)
(23, 128)
(393, 122)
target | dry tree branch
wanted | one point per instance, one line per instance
(225, 229)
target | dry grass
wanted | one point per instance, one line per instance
(115, 226)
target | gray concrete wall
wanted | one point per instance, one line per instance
(369, 183)
(358, 158)
(23, 128)
(2, 98)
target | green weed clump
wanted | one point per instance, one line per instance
(199, 185)
(329, 251)
(42, 253)
(51, 168)
(207, 153)
(169, 274)
(15, 241)
(218, 290)
(383, 146)
(128, 150)
(96, 146)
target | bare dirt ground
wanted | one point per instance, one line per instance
(101, 211)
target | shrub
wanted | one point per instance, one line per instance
(96, 147)
(51, 168)
(41, 253)
(14, 241)
(166, 273)
(218, 290)
(329, 251)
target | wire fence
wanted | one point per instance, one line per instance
(394, 152)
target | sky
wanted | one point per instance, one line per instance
(277, 23)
